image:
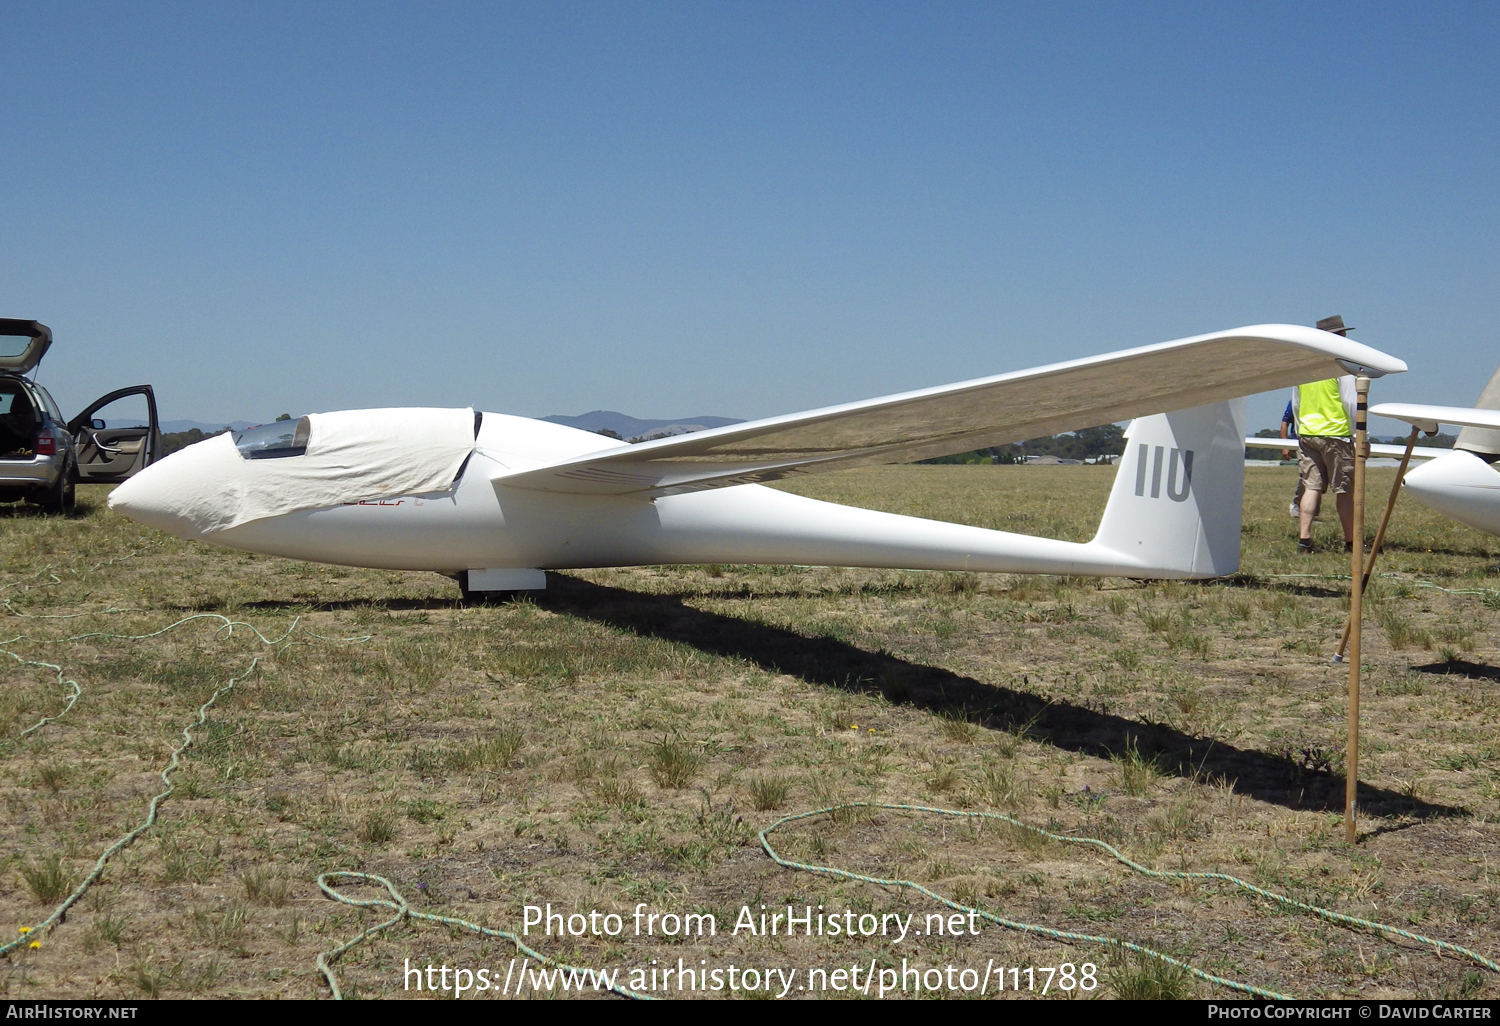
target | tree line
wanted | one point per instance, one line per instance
(1088, 444)
(171, 441)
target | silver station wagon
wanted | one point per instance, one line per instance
(43, 457)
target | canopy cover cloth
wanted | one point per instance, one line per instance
(351, 456)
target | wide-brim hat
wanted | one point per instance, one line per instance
(1334, 324)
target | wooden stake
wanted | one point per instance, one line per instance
(1379, 536)
(1356, 611)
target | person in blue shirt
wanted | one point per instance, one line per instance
(1289, 430)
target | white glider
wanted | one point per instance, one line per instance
(493, 500)
(1462, 483)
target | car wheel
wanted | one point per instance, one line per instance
(70, 492)
(60, 498)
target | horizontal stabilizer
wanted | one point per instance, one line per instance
(973, 414)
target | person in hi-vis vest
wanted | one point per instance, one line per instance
(1324, 415)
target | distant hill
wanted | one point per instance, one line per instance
(188, 431)
(174, 426)
(633, 427)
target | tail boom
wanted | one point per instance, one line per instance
(1173, 512)
(755, 524)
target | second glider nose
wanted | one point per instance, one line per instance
(1461, 485)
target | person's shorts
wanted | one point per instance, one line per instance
(1326, 464)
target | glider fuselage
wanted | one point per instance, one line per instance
(497, 498)
(1460, 482)
(484, 523)
(1168, 515)
(1461, 485)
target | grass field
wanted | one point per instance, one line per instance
(620, 738)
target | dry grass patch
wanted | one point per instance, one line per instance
(619, 739)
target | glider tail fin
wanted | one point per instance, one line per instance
(1483, 442)
(1175, 508)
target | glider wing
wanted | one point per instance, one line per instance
(1429, 417)
(1419, 452)
(969, 414)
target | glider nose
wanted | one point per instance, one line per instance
(188, 493)
(149, 498)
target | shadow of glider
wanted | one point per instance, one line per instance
(829, 663)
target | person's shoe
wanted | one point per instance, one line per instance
(1349, 548)
(1305, 547)
(1295, 510)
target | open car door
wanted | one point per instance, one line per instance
(108, 455)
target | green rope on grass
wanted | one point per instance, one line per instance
(73, 697)
(146, 824)
(404, 911)
(1338, 918)
(25, 582)
(76, 690)
(13, 611)
(1390, 577)
(226, 629)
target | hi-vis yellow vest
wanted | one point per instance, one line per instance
(1320, 410)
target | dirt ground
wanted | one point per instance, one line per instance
(615, 743)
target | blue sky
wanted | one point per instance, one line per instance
(735, 209)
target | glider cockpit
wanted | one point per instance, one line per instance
(274, 441)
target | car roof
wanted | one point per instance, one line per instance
(22, 344)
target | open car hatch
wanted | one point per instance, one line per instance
(22, 344)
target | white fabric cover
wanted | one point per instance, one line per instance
(351, 456)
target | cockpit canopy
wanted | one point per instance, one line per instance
(274, 441)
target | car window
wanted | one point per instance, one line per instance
(50, 405)
(14, 402)
(128, 411)
(17, 421)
